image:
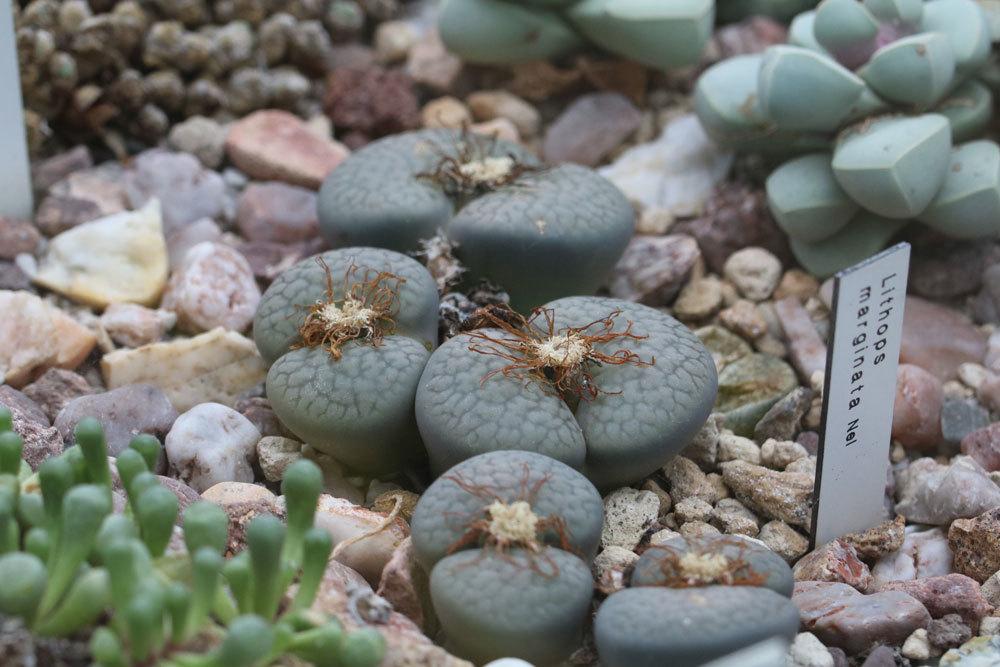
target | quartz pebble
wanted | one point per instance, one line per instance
(653, 269)
(211, 443)
(275, 454)
(628, 513)
(939, 339)
(447, 112)
(217, 366)
(490, 104)
(841, 616)
(277, 146)
(185, 189)
(924, 553)
(777, 495)
(590, 128)
(834, 561)
(132, 325)
(120, 258)
(431, 64)
(699, 299)
(277, 212)
(916, 415)
(947, 594)
(754, 271)
(983, 445)
(807, 350)
(917, 646)
(975, 544)
(82, 196)
(808, 651)
(213, 287)
(938, 494)
(16, 237)
(35, 336)
(124, 412)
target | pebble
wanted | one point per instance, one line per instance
(784, 420)
(202, 137)
(371, 102)
(948, 631)
(24, 405)
(699, 299)
(796, 284)
(41, 441)
(491, 104)
(431, 64)
(188, 237)
(704, 447)
(55, 388)
(776, 495)
(724, 346)
(784, 540)
(744, 319)
(498, 128)
(694, 529)
(48, 171)
(916, 415)
(678, 171)
(733, 518)
(806, 349)
(960, 418)
(734, 447)
(12, 277)
(983, 445)
(834, 561)
(344, 520)
(917, 646)
(977, 652)
(972, 375)
(36, 336)
(275, 454)
(749, 387)
(124, 412)
(393, 40)
(924, 553)
(990, 625)
(841, 616)
(881, 656)
(215, 366)
(133, 325)
(808, 651)
(692, 509)
(119, 258)
(653, 269)
(939, 339)
(16, 237)
(878, 541)
(628, 513)
(242, 501)
(447, 111)
(276, 145)
(687, 480)
(779, 454)
(975, 544)
(212, 443)
(404, 584)
(82, 196)
(185, 189)
(938, 494)
(988, 392)
(258, 410)
(947, 594)
(213, 287)
(590, 128)
(610, 566)
(754, 271)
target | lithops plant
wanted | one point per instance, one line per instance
(539, 232)
(609, 387)
(783, 10)
(346, 335)
(880, 99)
(653, 33)
(695, 599)
(507, 538)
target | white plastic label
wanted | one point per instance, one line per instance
(15, 175)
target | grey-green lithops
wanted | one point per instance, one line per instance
(731, 560)
(655, 33)
(687, 627)
(347, 334)
(539, 232)
(884, 97)
(606, 386)
(507, 537)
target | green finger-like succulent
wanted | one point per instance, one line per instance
(347, 335)
(541, 233)
(510, 31)
(606, 386)
(687, 627)
(888, 90)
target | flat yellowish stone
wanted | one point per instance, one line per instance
(121, 258)
(216, 366)
(35, 335)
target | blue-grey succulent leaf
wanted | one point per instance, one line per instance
(654, 627)
(917, 70)
(861, 238)
(965, 25)
(968, 110)
(806, 200)
(515, 604)
(282, 308)
(359, 408)
(460, 497)
(968, 204)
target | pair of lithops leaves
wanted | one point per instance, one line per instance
(606, 386)
(651, 32)
(839, 93)
(540, 232)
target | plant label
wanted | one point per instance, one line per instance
(858, 395)
(15, 176)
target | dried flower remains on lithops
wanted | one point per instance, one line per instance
(475, 165)
(366, 312)
(706, 564)
(558, 357)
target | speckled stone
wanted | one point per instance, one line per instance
(749, 387)
(835, 561)
(778, 495)
(948, 594)
(976, 544)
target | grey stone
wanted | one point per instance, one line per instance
(961, 416)
(590, 128)
(784, 419)
(186, 190)
(55, 388)
(938, 494)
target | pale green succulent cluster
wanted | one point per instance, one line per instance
(879, 101)
(652, 32)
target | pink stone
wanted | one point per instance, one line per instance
(984, 446)
(213, 287)
(16, 237)
(939, 339)
(841, 616)
(988, 391)
(924, 553)
(916, 415)
(277, 146)
(277, 212)
(806, 349)
(949, 594)
(654, 268)
(835, 561)
(590, 128)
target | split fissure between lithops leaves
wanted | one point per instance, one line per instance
(366, 312)
(470, 168)
(697, 567)
(562, 359)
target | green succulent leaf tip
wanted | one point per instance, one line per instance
(157, 511)
(6, 419)
(317, 545)
(205, 526)
(89, 435)
(149, 447)
(249, 639)
(265, 540)
(11, 447)
(301, 486)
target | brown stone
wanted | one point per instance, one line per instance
(939, 339)
(40, 440)
(948, 594)
(834, 561)
(878, 541)
(984, 446)
(275, 145)
(653, 269)
(405, 584)
(916, 415)
(590, 128)
(841, 616)
(277, 212)
(373, 100)
(242, 502)
(777, 495)
(46, 173)
(213, 287)
(16, 237)
(55, 388)
(429, 63)
(975, 544)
